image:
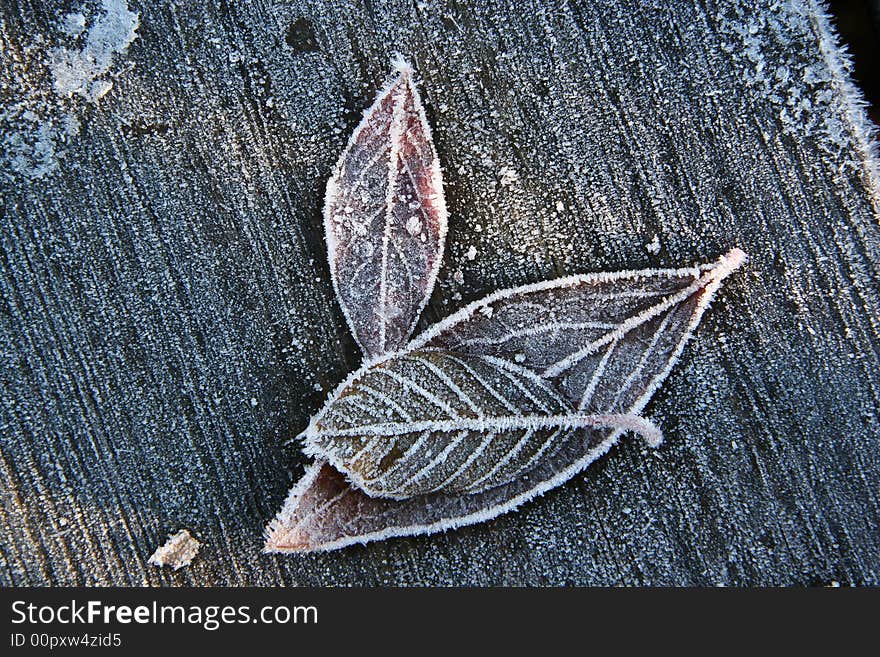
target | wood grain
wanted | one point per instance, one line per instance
(168, 319)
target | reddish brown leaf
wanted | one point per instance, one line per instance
(385, 218)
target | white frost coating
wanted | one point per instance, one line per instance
(641, 426)
(453, 386)
(78, 71)
(812, 99)
(461, 399)
(852, 104)
(73, 24)
(532, 325)
(653, 320)
(502, 400)
(618, 332)
(507, 176)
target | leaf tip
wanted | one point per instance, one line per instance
(279, 540)
(300, 438)
(652, 436)
(400, 66)
(730, 262)
(649, 432)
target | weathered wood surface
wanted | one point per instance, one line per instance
(168, 320)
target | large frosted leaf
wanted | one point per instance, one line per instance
(385, 219)
(604, 340)
(648, 316)
(425, 422)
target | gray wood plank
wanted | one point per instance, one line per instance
(168, 320)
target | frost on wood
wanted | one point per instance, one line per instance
(178, 551)
(812, 99)
(80, 71)
(385, 218)
(47, 88)
(599, 344)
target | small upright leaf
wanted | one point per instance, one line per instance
(602, 342)
(385, 218)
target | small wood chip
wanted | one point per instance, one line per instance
(179, 551)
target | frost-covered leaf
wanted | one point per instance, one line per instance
(605, 340)
(424, 422)
(323, 511)
(385, 218)
(563, 332)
